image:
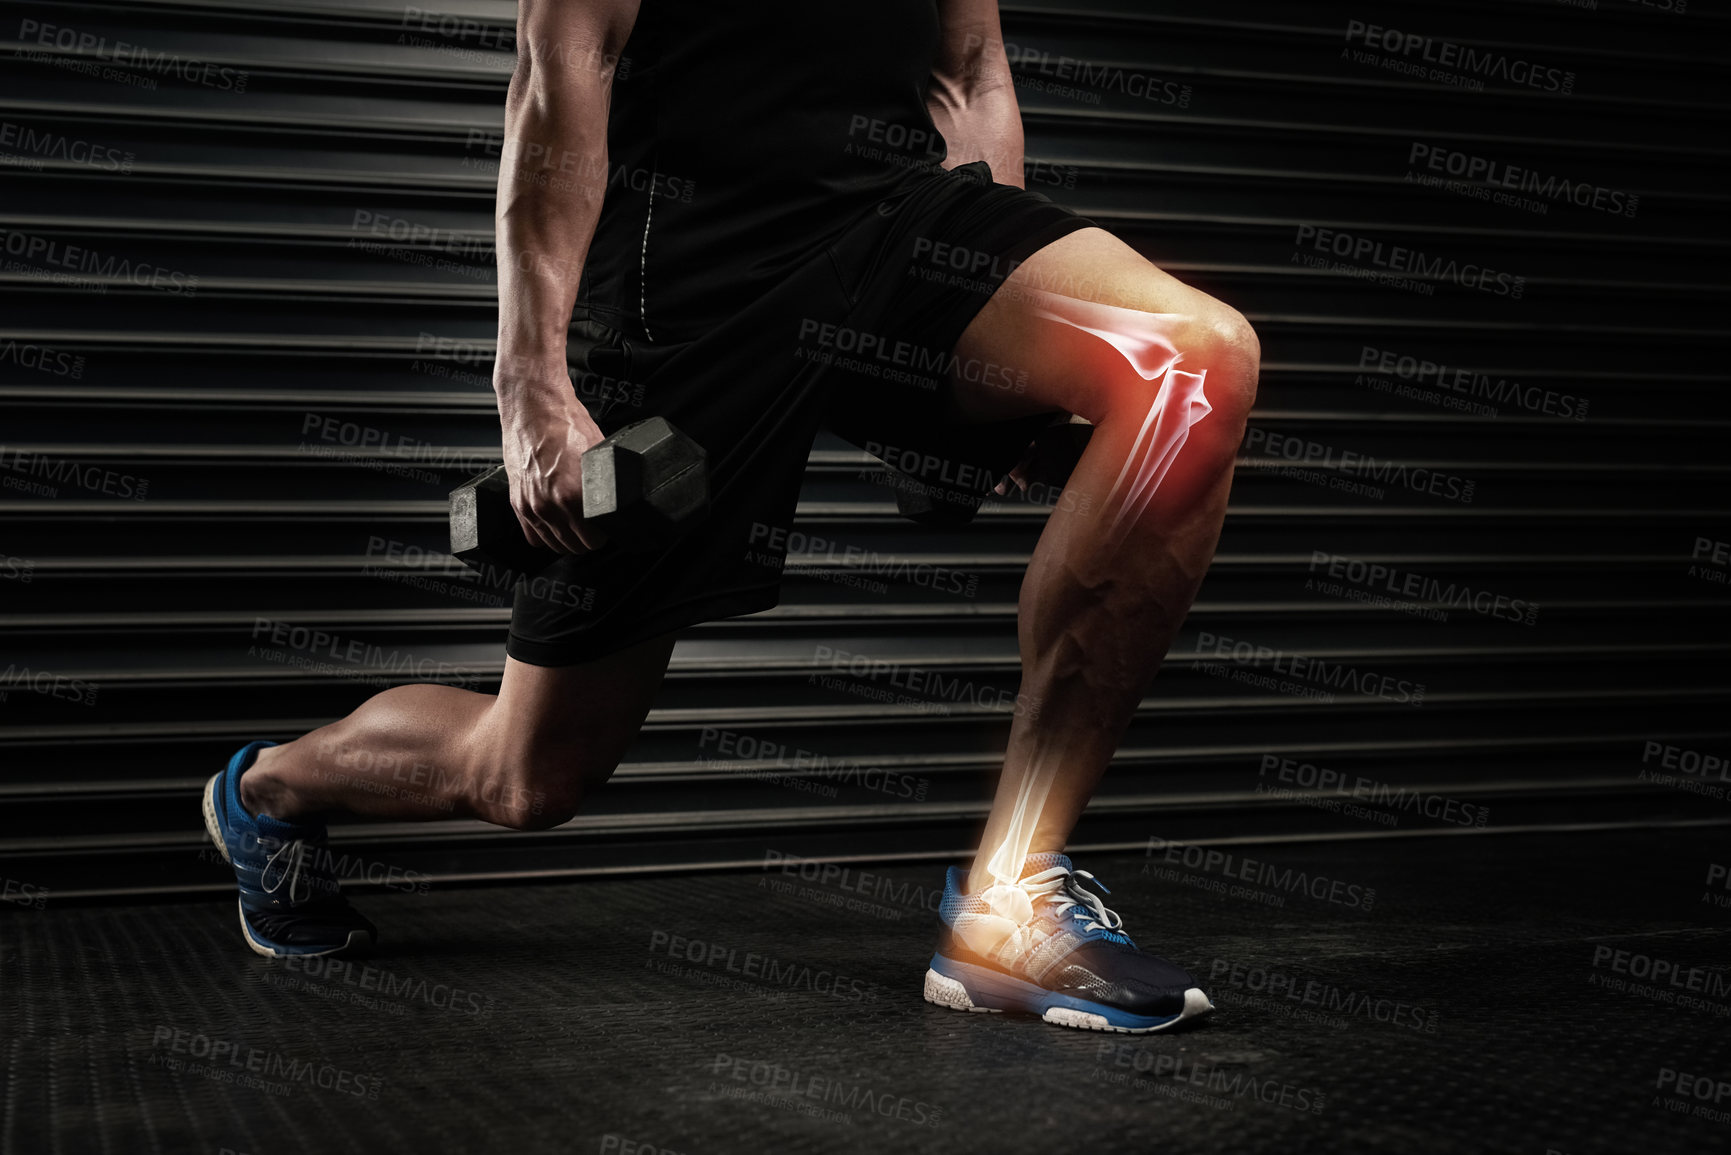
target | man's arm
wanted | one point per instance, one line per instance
(552, 177)
(972, 97)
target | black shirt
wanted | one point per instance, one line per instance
(743, 135)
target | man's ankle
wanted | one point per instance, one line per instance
(260, 791)
(979, 874)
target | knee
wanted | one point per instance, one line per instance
(1215, 339)
(1225, 344)
(528, 790)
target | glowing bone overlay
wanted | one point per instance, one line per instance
(1175, 403)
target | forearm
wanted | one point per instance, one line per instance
(973, 104)
(552, 178)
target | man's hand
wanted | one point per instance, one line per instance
(1049, 459)
(546, 432)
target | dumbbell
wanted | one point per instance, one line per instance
(1057, 449)
(641, 486)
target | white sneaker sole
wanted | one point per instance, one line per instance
(944, 991)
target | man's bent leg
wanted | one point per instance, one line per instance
(522, 758)
(1111, 580)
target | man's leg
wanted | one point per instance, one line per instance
(522, 759)
(1103, 597)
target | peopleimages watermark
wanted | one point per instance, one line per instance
(892, 142)
(43, 474)
(1383, 584)
(764, 969)
(1038, 493)
(48, 683)
(1710, 561)
(571, 170)
(599, 392)
(1397, 265)
(1072, 78)
(38, 146)
(1235, 876)
(1499, 182)
(26, 894)
(227, 1061)
(890, 358)
(1209, 1084)
(1692, 771)
(614, 1143)
(375, 988)
(1669, 7)
(463, 30)
(1314, 1001)
(1448, 62)
(1698, 1096)
(1336, 790)
(56, 262)
(1718, 873)
(1453, 387)
(933, 690)
(307, 647)
(987, 271)
(98, 50)
(820, 1096)
(392, 775)
(466, 252)
(845, 879)
(384, 451)
(774, 759)
(41, 359)
(1349, 470)
(929, 468)
(455, 33)
(323, 868)
(1320, 672)
(774, 546)
(1703, 990)
(408, 564)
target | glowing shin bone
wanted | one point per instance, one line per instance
(1144, 340)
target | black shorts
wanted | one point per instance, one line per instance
(862, 336)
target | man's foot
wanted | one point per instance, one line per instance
(1067, 961)
(289, 902)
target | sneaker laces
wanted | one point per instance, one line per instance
(1063, 890)
(294, 872)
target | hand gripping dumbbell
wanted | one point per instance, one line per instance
(641, 487)
(1056, 450)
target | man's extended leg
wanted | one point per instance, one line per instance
(521, 759)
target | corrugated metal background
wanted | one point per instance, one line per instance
(246, 322)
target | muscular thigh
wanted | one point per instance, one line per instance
(1062, 363)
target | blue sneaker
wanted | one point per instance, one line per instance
(1069, 962)
(289, 901)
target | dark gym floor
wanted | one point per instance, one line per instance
(1498, 994)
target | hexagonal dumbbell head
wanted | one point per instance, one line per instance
(644, 483)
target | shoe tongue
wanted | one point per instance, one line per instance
(1035, 863)
(289, 831)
